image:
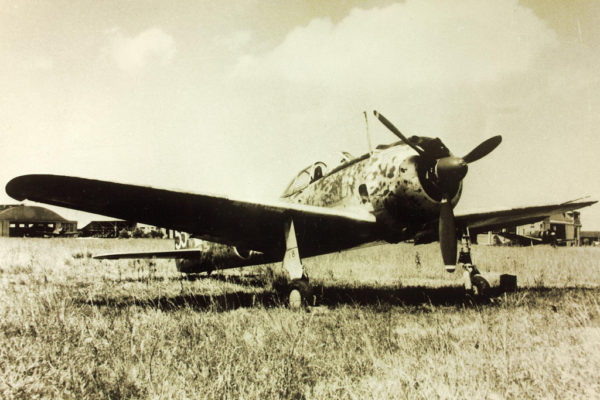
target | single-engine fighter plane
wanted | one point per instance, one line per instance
(402, 191)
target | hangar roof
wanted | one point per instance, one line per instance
(30, 213)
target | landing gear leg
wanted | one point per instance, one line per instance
(476, 284)
(298, 291)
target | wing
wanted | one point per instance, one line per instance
(247, 225)
(490, 220)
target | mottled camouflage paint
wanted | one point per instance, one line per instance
(337, 190)
(395, 196)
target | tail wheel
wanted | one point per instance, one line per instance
(299, 294)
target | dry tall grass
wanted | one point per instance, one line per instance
(394, 325)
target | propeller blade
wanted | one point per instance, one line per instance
(396, 132)
(447, 235)
(483, 149)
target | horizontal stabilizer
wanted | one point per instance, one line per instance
(187, 254)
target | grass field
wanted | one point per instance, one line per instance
(393, 324)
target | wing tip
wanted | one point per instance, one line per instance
(23, 186)
(580, 204)
(15, 188)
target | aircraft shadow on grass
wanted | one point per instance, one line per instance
(330, 296)
(326, 296)
(245, 280)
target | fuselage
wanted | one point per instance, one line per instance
(390, 183)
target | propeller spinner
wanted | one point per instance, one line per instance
(449, 171)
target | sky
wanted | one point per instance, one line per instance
(235, 97)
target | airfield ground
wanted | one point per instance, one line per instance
(393, 325)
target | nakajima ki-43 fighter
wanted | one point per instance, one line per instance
(402, 191)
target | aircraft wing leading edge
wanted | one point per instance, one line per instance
(247, 225)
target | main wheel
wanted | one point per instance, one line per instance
(299, 294)
(481, 287)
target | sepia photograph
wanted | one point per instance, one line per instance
(309, 199)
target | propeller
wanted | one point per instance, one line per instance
(447, 234)
(483, 149)
(448, 173)
(396, 132)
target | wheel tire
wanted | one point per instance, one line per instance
(481, 287)
(299, 294)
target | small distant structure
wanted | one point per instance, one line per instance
(590, 238)
(120, 228)
(566, 227)
(563, 229)
(152, 231)
(18, 220)
(106, 229)
(7, 206)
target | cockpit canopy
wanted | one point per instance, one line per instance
(305, 177)
(317, 170)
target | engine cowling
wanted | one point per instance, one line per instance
(401, 190)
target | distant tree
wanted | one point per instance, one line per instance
(156, 233)
(138, 233)
(124, 234)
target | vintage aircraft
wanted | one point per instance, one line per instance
(402, 191)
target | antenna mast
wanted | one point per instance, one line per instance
(368, 133)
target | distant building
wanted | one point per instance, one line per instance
(6, 206)
(31, 221)
(566, 227)
(120, 228)
(563, 228)
(590, 238)
(152, 231)
(106, 229)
